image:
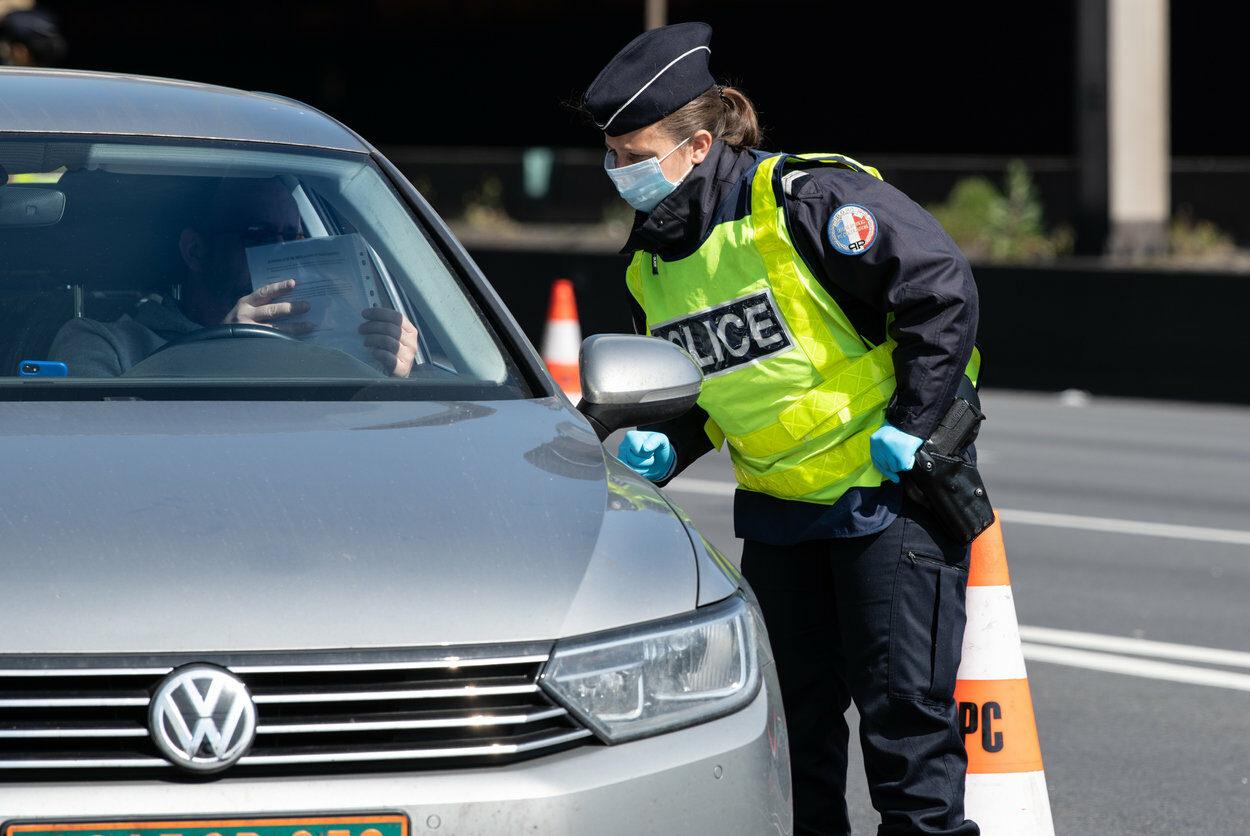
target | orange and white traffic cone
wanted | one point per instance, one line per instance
(1005, 791)
(562, 339)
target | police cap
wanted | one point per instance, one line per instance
(653, 76)
(37, 31)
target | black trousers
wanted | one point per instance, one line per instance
(878, 620)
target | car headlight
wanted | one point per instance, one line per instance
(660, 676)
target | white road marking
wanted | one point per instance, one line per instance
(1129, 666)
(1113, 526)
(1135, 647)
(712, 487)
(709, 487)
(1095, 651)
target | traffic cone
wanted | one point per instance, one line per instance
(1005, 791)
(562, 339)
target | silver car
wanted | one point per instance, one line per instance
(299, 537)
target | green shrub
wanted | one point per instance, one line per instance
(483, 207)
(1197, 240)
(993, 225)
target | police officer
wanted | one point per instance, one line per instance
(29, 37)
(834, 320)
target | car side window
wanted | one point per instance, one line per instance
(333, 223)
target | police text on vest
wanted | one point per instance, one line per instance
(727, 336)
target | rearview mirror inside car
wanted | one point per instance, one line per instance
(30, 206)
(629, 380)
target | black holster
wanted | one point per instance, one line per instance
(944, 480)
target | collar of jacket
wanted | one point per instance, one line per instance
(682, 221)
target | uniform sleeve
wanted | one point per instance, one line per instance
(911, 269)
(638, 316)
(688, 433)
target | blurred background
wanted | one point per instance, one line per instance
(1088, 156)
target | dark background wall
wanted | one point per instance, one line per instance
(1139, 333)
(950, 90)
(891, 77)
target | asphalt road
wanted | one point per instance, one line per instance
(1127, 526)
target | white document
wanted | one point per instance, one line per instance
(336, 276)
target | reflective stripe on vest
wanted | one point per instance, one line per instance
(789, 382)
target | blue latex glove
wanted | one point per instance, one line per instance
(893, 451)
(648, 453)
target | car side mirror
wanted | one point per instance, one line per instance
(629, 380)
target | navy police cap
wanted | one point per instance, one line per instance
(653, 76)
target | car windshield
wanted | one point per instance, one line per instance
(176, 268)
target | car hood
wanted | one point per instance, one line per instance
(180, 526)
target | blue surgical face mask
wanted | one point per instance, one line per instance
(643, 185)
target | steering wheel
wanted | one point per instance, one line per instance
(234, 330)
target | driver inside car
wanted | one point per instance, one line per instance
(217, 289)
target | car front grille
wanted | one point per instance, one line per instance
(445, 707)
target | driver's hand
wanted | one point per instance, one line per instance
(259, 308)
(393, 339)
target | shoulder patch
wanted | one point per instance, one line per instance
(852, 229)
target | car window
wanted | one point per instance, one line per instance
(171, 266)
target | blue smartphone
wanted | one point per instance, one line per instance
(42, 368)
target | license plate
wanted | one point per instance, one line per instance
(380, 825)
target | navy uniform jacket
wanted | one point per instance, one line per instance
(913, 270)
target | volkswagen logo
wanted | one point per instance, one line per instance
(202, 718)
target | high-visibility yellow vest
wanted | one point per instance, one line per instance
(788, 381)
